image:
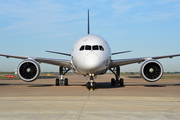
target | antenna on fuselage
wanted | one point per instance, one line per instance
(88, 22)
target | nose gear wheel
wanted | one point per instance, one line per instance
(91, 85)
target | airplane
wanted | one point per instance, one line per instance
(90, 56)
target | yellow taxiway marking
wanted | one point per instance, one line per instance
(91, 89)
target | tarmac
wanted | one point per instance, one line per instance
(137, 100)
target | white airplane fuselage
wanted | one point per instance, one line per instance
(91, 54)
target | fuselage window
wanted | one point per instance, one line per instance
(95, 47)
(101, 48)
(88, 47)
(82, 48)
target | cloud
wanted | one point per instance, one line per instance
(125, 6)
(30, 17)
(141, 11)
(46, 16)
(166, 1)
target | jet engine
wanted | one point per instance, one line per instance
(151, 70)
(28, 70)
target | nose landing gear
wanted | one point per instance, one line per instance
(91, 85)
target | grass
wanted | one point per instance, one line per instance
(171, 76)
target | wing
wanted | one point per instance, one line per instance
(121, 62)
(120, 52)
(58, 62)
(59, 53)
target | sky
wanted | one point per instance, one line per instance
(147, 27)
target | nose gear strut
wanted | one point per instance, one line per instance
(91, 85)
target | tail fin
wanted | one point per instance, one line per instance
(88, 22)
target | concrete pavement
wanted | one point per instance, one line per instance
(138, 100)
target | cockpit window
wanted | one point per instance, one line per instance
(88, 47)
(95, 47)
(82, 48)
(101, 48)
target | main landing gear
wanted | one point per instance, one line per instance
(61, 80)
(91, 85)
(116, 72)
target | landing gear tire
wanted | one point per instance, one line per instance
(121, 82)
(94, 85)
(61, 80)
(66, 82)
(116, 72)
(57, 82)
(88, 85)
(112, 82)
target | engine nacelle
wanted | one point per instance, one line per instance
(151, 70)
(28, 70)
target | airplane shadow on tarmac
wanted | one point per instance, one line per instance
(4, 84)
(101, 85)
(46, 77)
(134, 77)
(45, 85)
(108, 85)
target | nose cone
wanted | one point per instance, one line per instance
(92, 62)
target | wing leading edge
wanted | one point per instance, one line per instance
(121, 62)
(58, 62)
(67, 63)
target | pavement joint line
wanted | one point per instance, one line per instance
(84, 105)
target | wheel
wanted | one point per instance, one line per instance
(88, 85)
(57, 82)
(61, 81)
(94, 85)
(121, 82)
(112, 82)
(66, 81)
